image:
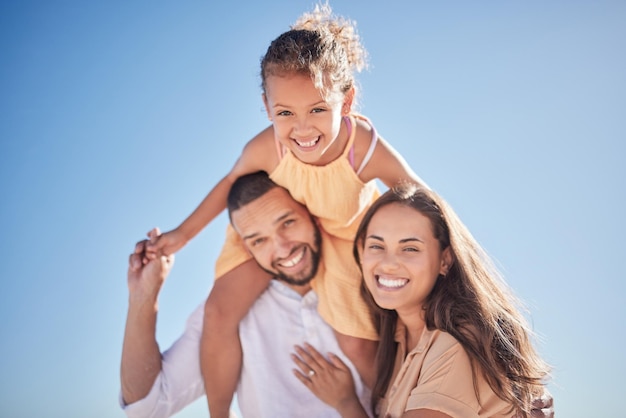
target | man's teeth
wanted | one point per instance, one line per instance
(308, 144)
(387, 282)
(294, 260)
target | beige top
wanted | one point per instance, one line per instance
(437, 375)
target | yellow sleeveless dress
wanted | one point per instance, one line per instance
(335, 195)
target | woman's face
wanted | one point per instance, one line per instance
(401, 258)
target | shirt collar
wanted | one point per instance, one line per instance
(287, 291)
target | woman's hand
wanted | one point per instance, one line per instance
(330, 380)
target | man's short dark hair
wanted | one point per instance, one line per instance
(248, 188)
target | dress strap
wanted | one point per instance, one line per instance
(280, 150)
(370, 150)
(348, 122)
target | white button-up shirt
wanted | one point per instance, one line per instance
(279, 319)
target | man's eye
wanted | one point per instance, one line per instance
(289, 222)
(258, 242)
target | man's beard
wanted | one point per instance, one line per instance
(315, 262)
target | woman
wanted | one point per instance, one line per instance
(452, 340)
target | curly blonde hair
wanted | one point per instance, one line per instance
(324, 46)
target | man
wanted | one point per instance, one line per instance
(278, 231)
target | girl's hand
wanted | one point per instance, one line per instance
(164, 244)
(330, 380)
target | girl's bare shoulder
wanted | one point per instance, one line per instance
(258, 154)
(362, 140)
(385, 163)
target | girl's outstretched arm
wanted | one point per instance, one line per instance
(211, 206)
(258, 154)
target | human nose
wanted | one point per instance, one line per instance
(389, 261)
(282, 246)
(302, 125)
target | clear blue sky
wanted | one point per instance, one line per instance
(119, 116)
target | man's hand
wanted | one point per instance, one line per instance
(141, 359)
(146, 276)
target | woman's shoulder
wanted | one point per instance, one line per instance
(440, 342)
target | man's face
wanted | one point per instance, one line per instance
(281, 236)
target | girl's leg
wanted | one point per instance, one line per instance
(362, 353)
(220, 348)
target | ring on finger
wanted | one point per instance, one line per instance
(311, 373)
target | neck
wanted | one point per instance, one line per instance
(301, 289)
(415, 323)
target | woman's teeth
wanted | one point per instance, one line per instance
(387, 282)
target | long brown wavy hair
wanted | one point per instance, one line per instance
(472, 303)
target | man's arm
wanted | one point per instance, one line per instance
(141, 358)
(155, 385)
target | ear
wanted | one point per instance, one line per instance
(446, 261)
(359, 250)
(348, 99)
(267, 107)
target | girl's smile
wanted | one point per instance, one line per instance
(306, 122)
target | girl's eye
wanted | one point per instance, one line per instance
(318, 110)
(284, 113)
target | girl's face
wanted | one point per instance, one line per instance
(304, 121)
(401, 258)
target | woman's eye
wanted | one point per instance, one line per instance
(318, 110)
(284, 113)
(289, 222)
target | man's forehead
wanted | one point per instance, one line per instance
(264, 212)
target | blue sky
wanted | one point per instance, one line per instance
(119, 116)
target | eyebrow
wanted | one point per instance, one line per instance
(283, 217)
(321, 102)
(402, 241)
(274, 222)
